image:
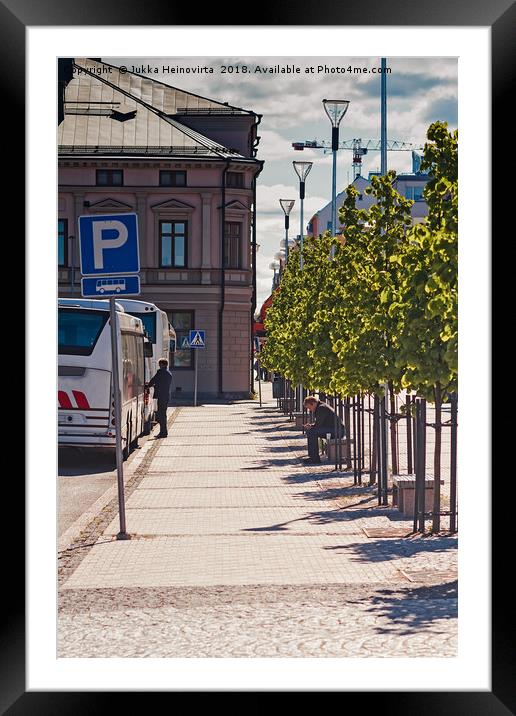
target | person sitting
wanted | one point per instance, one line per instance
(326, 420)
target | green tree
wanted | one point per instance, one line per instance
(428, 301)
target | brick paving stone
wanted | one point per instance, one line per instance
(209, 480)
(218, 450)
(234, 521)
(225, 559)
(222, 497)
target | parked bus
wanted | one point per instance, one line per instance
(85, 389)
(161, 335)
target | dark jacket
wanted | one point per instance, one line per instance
(325, 417)
(161, 383)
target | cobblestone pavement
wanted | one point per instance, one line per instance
(239, 550)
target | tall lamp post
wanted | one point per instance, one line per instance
(286, 205)
(302, 169)
(335, 109)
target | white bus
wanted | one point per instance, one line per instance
(162, 336)
(85, 390)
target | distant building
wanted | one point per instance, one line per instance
(410, 186)
(187, 166)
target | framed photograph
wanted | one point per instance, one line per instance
(76, 67)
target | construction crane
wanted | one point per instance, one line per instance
(359, 148)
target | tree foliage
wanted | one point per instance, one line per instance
(384, 307)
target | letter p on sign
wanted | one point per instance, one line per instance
(100, 244)
(109, 244)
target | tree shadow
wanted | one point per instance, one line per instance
(384, 550)
(414, 609)
(282, 437)
(274, 448)
(317, 518)
(311, 476)
(331, 493)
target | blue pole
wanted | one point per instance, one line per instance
(301, 233)
(383, 135)
(334, 195)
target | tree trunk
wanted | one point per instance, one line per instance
(436, 520)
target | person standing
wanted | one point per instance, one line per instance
(325, 418)
(161, 383)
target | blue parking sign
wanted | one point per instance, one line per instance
(109, 244)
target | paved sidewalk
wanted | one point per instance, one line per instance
(238, 549)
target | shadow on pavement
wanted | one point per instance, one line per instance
(413, 609)
(384, 550)
(319, 518)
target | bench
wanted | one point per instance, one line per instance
(404, 492)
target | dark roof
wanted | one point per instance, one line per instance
(103, 116)
(166, 98)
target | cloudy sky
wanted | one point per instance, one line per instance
(420, 91)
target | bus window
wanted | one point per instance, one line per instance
(78, 331)
(149, 323)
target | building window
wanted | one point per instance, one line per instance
(183, 323)
(110, 177)
(414, 192)
(167, 178)
(235, 180)
(62, 242)
(232, 243)
(172, 242)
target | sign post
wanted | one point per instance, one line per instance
(195, 380)
(118, 415)
(110, 263)
(196, 339)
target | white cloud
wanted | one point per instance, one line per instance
(291, 105)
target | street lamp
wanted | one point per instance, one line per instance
(274, 266)
(286, 205)
(302, 169)
(335, 109)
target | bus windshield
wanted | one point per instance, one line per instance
(149, 323)
(78, 331)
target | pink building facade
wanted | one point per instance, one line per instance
(131, 144)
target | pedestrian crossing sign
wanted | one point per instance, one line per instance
(197, 339)
(185, 344)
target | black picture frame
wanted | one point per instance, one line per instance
(15, 16)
